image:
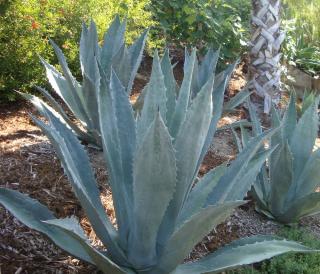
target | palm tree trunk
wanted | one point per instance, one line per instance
(266, 40)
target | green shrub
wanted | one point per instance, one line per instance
(302, 25)
(295, 263)
(25, 27)
(215, 23)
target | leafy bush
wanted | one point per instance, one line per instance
(25, 27)
(302, 44)
(295, 263)
(214, 23)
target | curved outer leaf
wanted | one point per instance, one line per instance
(68, 94)
(101, 261)
(119, 141)
(241, 252)
(200, 192)
(170, 83)
(224, 190)
(184, 95)
(154, 100)
(306, 130)
(189, 233)
(281, 176)
(154, 169)
(76, 165)
(63, 116)
(32, 213)
(73, 86)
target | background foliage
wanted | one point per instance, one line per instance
(219, 23)
(26, 25)
(302, 24)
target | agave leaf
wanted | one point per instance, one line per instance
(262, 187)
(233, 178)
(208, 66)
(135, 53)
(155, 98)
(76, 165)
(217, 98)
(237, 100)
(237, 124)
(184, 95)
(249, 175)
(195, 88)
(290, 119)
(190, 233)
(89, 51)
(90, 89)
(154, 168)
(113, 41)
(170, 83)
(245, 135)
(309, 178)
(281, 176)
(302, 207)
(241, 252)
(73, 86)
(119, 140)
(71, 229)
(306, 130)
(199, 194)
(67, 94)
(32, 213)
(121, 65)
(308, 100)
(256, 125)
(36, 102)
(188, 145)
(236, 139)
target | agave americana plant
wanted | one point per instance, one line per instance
(82, 99)
(153, 161)
(285, 189)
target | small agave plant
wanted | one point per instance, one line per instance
(153, 160)
(285, 189)
(82, 99)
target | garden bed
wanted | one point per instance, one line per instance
(29, 164)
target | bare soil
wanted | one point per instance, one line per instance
(29, 164)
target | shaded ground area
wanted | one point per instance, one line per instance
(29, 164)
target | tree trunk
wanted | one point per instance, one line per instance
(264, 70)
